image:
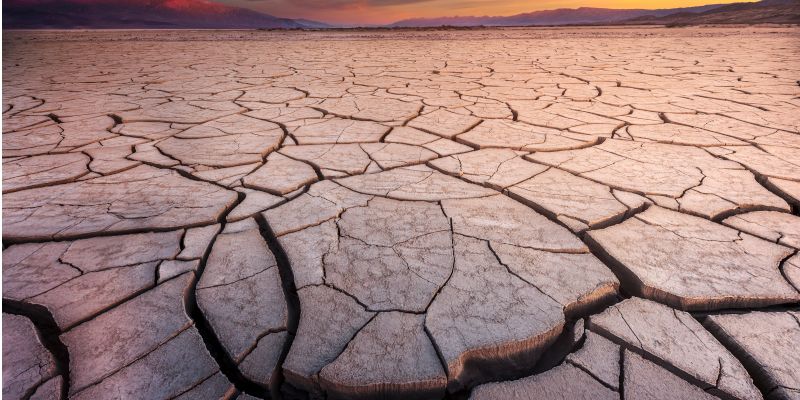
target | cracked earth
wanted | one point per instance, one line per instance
(486, 214)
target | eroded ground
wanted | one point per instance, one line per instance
(487, 214)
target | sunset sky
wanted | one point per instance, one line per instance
(386, 11)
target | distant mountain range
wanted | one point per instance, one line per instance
(562, 16)
(205, 14)
(138, 14)
(766, 11)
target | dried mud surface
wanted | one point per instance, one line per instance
(554, 213)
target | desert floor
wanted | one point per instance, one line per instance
(547, 213)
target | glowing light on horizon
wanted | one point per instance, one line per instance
(386, 11)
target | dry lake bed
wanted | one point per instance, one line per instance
(545, 213)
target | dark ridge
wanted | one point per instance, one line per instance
(701, 315)
(289, 291)
(226, 364)
(289, 392)
(558, 351)
(621, 372)
(630, 284)
(782, 269)
(54, 118)
(739, 211)
(117, 119)
(48, 332)
(459, 395)
(154, 14)
(661, 363)
(12, 241)
(315, 167)
(755, 371)
(794, 204)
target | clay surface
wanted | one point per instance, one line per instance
(499, 213)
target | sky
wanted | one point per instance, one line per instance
(386, 11)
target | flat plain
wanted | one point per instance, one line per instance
(571, 213)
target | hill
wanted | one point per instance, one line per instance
(768, 11)
(563, 16)
(133, 14)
